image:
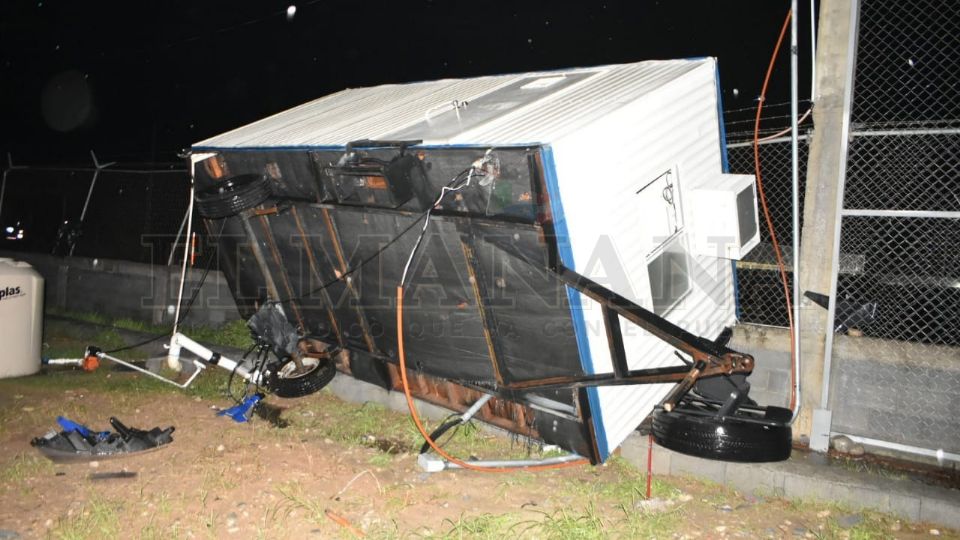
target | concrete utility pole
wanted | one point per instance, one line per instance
(826, 173)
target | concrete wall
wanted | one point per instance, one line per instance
(770, 346)
(121, 289)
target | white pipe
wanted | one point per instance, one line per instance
(199, 368)
(433, 463)
(905, 132)
(795, 161)
(183, 342)
(520, 462)
(930, 214)
(475, 408)
(939, 454)
(76, 362)
(173, 358)
(762, 142)
(813, 52)
(173, 248)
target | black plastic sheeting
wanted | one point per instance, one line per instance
(481, 307)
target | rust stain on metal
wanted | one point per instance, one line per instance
(272, 244)
(499, 412)
(338, 250)
(311, 260)
(468, 258)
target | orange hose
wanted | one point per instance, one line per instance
(342, 521)
(423, 431)
(766, 211)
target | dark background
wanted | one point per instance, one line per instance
(139, 81)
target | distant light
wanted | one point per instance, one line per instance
(910, 61)
(9, 230)
(736, 92)
(291, 11)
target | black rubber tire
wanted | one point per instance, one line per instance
(748, 437)
(233, 195)
(322, 372)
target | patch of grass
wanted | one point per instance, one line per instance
(872, 524)
(23, 467)
(381, 459)
(482, 527)
(98, 518)
(566, 524)
(327, 416)
(862, 466)
(627, 486)
(637, 524)
(295, 498)
(152, 531)
(211, 384)
(231, 334)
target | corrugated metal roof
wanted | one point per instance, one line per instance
(506, 109)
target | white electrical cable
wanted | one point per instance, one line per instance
(173, 358)
(426, 222)
(813, 51)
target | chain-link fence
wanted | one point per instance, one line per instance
(761, 297)
(895, 375)
(127, 214)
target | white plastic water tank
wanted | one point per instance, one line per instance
(21, 318)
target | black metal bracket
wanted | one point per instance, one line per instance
(370, 143)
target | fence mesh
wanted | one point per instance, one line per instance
(895, 378)
(131, 216)
(761, 297)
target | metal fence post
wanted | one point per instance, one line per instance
(825, 172)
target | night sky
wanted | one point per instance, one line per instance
(139, 81)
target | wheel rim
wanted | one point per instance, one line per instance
(289, 371)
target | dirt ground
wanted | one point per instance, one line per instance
(221, 479)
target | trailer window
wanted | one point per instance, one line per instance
(668, 269)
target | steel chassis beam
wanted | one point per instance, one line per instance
(709, 358)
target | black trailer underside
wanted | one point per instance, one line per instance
(482, 309)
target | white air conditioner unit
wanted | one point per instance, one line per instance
(723, 214)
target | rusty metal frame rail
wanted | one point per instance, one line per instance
(709, 358)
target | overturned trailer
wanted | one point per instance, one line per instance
(576, 265)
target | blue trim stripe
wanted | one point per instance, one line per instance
(573, 296)
(724, 163)
(340, 147)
